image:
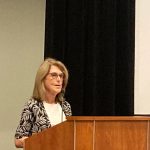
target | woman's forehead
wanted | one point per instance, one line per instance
(55, 69)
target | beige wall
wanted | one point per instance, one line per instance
(22, 25)
(142, 57)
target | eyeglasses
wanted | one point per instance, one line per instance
(55, 75)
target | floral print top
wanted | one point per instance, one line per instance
(34, 118)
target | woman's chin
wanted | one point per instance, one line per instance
(57, 91)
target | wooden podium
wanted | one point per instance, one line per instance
(94, 133)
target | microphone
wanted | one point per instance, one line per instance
(62, 102)
(61, 95)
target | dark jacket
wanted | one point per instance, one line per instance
(34, 118)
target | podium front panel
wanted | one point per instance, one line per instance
(121, 135)
(59, 137)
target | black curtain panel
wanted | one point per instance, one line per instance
(95, 40)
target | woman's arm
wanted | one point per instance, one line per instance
(24, 128)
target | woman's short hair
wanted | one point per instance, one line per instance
(39, 89)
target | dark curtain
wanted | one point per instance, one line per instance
(95, 40)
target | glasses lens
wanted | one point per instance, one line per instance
(55, 75)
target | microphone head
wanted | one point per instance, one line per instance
(61, 96)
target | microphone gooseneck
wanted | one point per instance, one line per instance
(62, 103)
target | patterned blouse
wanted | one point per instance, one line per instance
(34, 118)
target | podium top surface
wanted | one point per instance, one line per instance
(96, 118)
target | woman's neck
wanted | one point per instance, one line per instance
(49, 98)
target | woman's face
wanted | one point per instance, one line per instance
(54, 80)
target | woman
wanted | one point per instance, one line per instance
(47, 106)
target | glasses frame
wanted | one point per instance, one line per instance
(55, 75)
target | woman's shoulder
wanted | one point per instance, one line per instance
(32, 101)
(67, 108)
(66, 103)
